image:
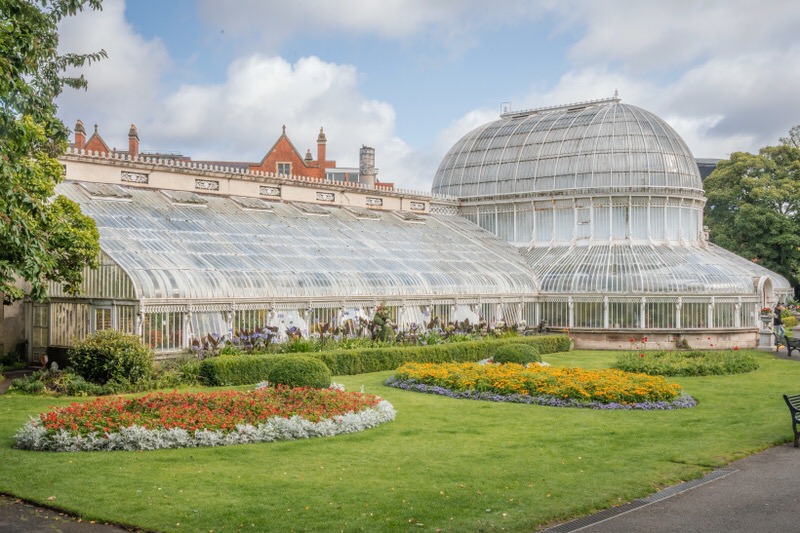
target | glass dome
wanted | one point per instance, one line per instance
(602, 146)
(605, 202)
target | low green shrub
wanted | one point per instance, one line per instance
(300, 371)
(301, 345)
(55, 381)
(688, 363)
(248, 369)
(165, 375)
(111, 356)
(360, 361)
(789, 321)
(242, 369)
(516, 353)
(12, 361)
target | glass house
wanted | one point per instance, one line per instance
(586, 216)
(178, 265)
(604, 201)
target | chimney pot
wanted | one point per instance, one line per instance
(80, 135)
(133, 141)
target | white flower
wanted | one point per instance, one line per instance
(32, 436)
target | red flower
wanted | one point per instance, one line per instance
(644, 339)
(633, 340)
(641, 355)
(213, 411)
(735, 348)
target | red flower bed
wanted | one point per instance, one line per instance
(221, 410)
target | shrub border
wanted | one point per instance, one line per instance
(247, 369)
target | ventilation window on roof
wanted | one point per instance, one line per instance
(252, 203)
(408, 216)
(361, 212)
(185, 198)
(311, 209)
(106, 191)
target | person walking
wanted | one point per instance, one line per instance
(777, 322)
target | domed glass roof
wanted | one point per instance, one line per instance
(603, 146)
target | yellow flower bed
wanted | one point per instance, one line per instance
(606, 386)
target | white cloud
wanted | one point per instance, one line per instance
(122, 88)
(753, 95)
(723, 74)
(242, 117)
(654, 35)
(236, 120)
(452, 22)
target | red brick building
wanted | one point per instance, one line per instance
(282, 159)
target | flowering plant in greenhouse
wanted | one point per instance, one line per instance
(544, 385)
(174, 420)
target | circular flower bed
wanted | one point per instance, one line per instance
(177, 420)
(543, 385)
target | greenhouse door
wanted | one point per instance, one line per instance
(41, 330)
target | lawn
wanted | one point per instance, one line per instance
(441, 465)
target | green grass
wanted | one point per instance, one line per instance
(450, 465)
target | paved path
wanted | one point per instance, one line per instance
(756, 494)
(20, 517)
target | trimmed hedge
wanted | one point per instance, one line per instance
(249, 369)
(300, 371)
(236, 369)
(516, 352)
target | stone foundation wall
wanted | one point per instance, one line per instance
(702, 339)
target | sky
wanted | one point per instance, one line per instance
(218, 79)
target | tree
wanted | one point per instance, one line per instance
(793, 139)
(42, 238)
(753, 208)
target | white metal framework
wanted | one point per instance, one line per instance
(605, 202)
(193, 264)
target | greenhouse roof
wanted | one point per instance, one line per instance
(638, 270)
(602, 146)
(179, 245)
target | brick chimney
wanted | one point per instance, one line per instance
(80, 135)
(321, 140)
(133, 141)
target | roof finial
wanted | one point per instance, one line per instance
(284, 129)
(616, 93)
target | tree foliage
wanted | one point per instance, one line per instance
(42, 238)
(753, 207)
